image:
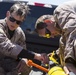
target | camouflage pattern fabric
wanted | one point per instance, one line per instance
(10, 48)
(65, 16)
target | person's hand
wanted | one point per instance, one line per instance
(38, 57)
(42, 57)
(66, 70)
(23, 65)
(46, 58)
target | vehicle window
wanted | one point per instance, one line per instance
(29, 23)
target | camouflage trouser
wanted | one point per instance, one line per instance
(8, 67)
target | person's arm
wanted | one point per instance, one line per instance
(26, 54)
(30, 55)
(22, 38)
(14, 50)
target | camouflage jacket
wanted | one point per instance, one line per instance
(11, 47)
(65, 16)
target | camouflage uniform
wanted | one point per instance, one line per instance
(65, 16)
(10, 48)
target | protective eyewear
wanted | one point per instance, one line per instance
(47, 33)
(12, 19)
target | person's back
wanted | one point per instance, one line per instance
(70, 4)
(65, 16)
(67, 8)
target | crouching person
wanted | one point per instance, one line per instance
(12, 42)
